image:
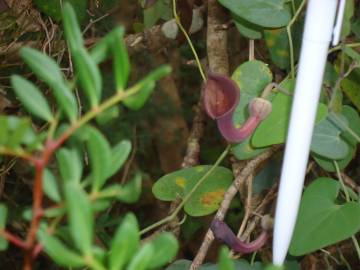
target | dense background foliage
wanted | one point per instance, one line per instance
(101, 102)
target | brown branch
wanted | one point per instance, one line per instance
(249, 168)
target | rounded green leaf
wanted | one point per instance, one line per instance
(206, 198)
(267, 13)
(51, 188)
(251, 77)
(165, 249)
(322, 221)
(245, 150)
(31, 97)
(80, 217)
(124, 243)
(246, 28)
(61, 254)
(326, 140)
(142, 259)
(225, 262)
(273, 129)
(3, 216)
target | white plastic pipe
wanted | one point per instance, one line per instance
(319, 24)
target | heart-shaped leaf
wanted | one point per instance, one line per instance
(208, 195)
(267, 13)
(326, 140)
(322, 221)
(245, 150)
(274, 128)
(246, 28)
(252, 77)
(353, 119)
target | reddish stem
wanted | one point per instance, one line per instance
(13, 239)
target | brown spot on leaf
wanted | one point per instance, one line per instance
(212, 197)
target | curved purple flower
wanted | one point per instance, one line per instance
(223, 233)
(221, 96)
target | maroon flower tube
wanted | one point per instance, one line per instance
(223, 233)
(221, 96)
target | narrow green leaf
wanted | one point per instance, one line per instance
(101, 50)
(42, 65)
(4, 129)
(61, 254)
(130, 192)
(88, 74)
(51, 188)
(66, 100)
(142, 259)
(225, 262)
(3, 216)
(31, 97)
(72, 29)
(100, 157)
(121, 61)
(70, 165)
(136, 101)
(125, 242)
(119, 154)
(352, 54)
(19, 128)
(165, 249)
(80, 216)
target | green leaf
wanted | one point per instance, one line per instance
(142, 259)
(326, 140)
(42, 65)
(4, 129)
(180, 265)
(346, 23)
(19, 129)
(51, 188)
(353, 119)
(3, 216)
(160, 10)
(206, 198)
(267, 13)
(125, 242)
(60, 253)
(131, 191)
(72, 29)
(100, 157)
(165, 249)
(119, 154)
(245, 150)
(251, 77)
(70, 165)
(88, 74)
(322, 221)
(31, 97)
(101, 50)
(121, 61)
(136, 101)
(273, 129)
(351, 85)
(80, 217)
(225, 262)
(52, 8)
(354, 55)
(247, 29)
(49, 71)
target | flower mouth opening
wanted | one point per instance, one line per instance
(221, 96)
